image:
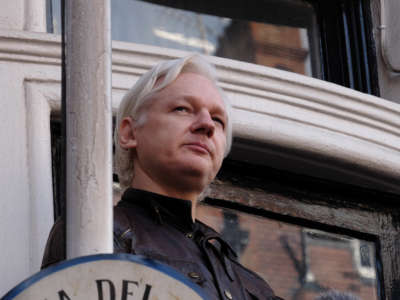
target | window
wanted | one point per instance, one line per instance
(330, 40)
(298, 262)
(349, 218)
(283, 38)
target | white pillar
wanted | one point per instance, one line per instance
(35, 15)
(88, 109)
(38, 109)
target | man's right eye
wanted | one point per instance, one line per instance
(181, 108)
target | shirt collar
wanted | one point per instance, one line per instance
(166, 209)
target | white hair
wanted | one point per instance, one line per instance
(136, 99)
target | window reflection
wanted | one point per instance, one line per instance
(147, 23)
(261, 43)
(284, 37)
(299, 263)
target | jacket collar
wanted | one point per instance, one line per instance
(162, 208)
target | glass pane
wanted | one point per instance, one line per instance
(274, 45)
(298, 263)
(283, 36)
(53, 8)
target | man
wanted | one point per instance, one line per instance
(173, 131)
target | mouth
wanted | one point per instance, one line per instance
(199, 147)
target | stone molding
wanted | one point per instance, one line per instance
(287, 120)
(41, 98)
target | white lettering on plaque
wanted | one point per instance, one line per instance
(106, 277)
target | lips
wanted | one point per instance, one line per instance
(199, 147)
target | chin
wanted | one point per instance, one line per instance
(198, 173)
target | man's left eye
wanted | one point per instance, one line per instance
(218, 120)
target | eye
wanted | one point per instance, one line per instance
(219, 121)
(181, 109)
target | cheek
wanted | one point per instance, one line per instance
(222, 141)
(220, 147)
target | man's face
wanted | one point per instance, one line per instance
(183, 138)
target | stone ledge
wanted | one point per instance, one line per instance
(283, 120)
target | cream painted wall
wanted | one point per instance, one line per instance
(14, 187)
(12, 14)
(26, 208)
(29, 15)
(22, 225)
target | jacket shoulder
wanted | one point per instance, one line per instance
(55, 250)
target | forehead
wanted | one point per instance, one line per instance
(192, 87)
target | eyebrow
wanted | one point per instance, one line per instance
(220, 108)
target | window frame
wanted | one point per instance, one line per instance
(347, 47)
(357, 212)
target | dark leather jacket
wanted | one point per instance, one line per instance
(161, 228)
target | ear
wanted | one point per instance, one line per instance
(127, 138)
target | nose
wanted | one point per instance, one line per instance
(203, 123)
